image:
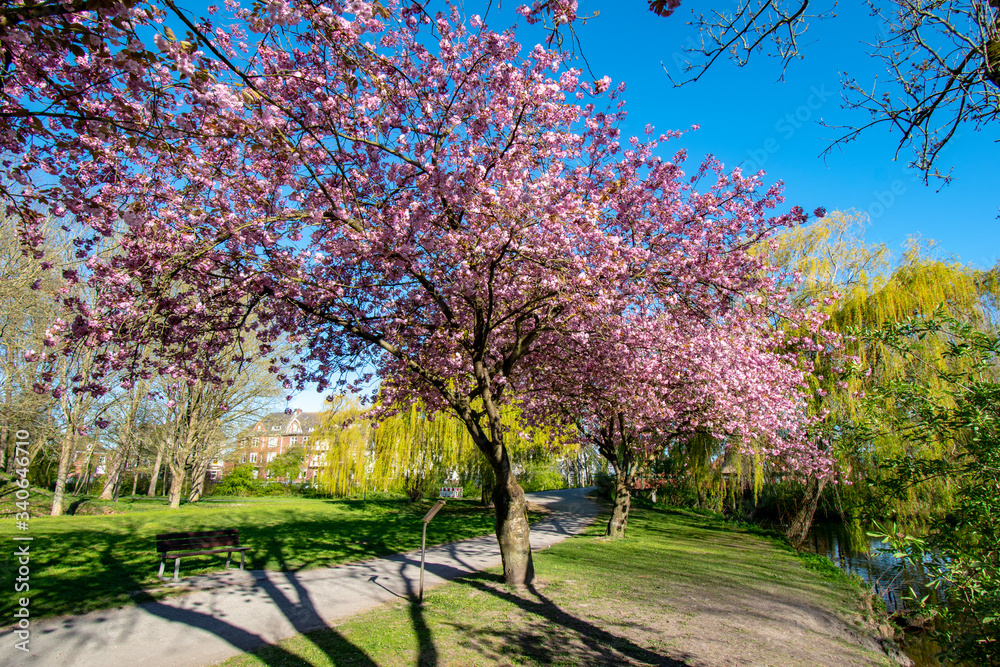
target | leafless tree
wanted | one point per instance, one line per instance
(942, 59)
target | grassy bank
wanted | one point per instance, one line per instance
(82, 563)
(682, 589)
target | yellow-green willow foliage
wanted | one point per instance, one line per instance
(413, 451)
(718, 475)
(341, 446)
(832, 257)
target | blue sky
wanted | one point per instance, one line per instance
(747, 117)
(750, 119)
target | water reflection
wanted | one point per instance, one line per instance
(859, 554)
(890, 577)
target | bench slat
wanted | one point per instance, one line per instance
(185, 554)
(174, 546)
(235, 532)
(192, 543)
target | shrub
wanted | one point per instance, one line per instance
(240, 482)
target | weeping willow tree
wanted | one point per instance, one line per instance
(412, 450)
(699, 469)
(832, 259)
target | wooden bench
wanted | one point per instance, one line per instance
(178, 545)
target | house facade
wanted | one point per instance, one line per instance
(277, 434)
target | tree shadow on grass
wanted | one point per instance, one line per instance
(427, 655)
(88, 566)
(91, 635)
(553, 636)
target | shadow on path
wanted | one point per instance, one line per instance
(603, 647)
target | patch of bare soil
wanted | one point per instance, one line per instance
(703, 626)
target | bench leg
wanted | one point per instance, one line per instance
(229, 557)
(177, 569)
(242, 558)
(163, 562)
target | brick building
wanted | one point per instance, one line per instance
(276, 434)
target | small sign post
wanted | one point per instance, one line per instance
(423, 543)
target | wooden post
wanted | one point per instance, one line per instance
(423, 545)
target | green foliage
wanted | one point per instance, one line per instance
(288, 464)
(955, 408)
(605, 484)
(240, 482)
(542, 475)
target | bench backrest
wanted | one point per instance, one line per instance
(206, 539)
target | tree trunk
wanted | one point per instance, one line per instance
(512, 530)
(65, 458)
(135, 474)
(176, 485)
(489, 486)
(87, 469)
(116, 468)
(7, 445)
(625, 469)
(154, 476)
(198, 479)
(797, 531)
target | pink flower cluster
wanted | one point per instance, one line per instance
(388, 189)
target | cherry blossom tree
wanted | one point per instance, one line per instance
(388, 191)
(707, 360)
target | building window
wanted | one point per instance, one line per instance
(305, 439)
(270, 456)
(253, 457)
(272, 442)
(295, 440)
(243, 458)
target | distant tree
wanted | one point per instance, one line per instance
(288, 464)
(196, 419)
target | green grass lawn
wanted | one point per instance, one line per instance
(677, 576)
(82, 563)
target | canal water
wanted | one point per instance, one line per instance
(890, 577)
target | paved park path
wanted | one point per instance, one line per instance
(235, 611)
